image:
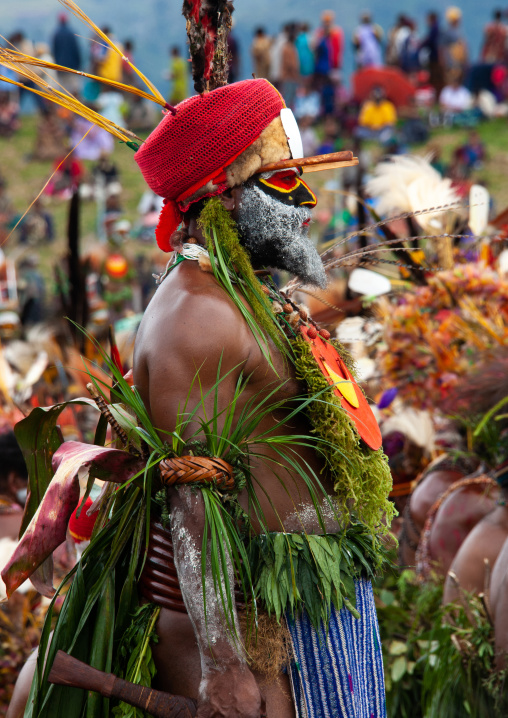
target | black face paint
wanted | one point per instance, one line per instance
(287, 187)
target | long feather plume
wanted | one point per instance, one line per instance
(64, 99)
(208, 26)
(77, 12)
(16, 58)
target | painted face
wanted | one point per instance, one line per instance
(274, 228)
(287, 187)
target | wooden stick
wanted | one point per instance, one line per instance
(346, 156)
(68, 671)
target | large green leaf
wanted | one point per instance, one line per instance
(47, 529)
(39, 438)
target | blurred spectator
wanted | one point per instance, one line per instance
(24, 45)
(329, 43)
(89, 140)
(9, 114)
(430, 47)
(261, 53)
(32, 291)
(409, 52)
(454, 44)
(367, 42)
(495, 37)
(473, 152)
(289, 68)
(276, 54)
(51, 135)
(308, 101)
(111, 105)
(141, 115)
(455, 97)
(305, 54)
(37, 225)
(396, 38)
(6, 210)
(129, 76)
(67, 53)
(105, 171)
(330, 136)
(13, 485)
(67, 175)
(106, 62)
(309, 137)
(378, 117)
(425, 94)
(179, 76)
(234, 57)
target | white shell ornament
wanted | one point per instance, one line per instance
(292, 131)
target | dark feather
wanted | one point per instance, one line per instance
(208, 26)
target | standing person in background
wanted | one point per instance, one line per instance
(396, 37)
(289, 68)
(367, 42)
(454, 44)
(304, 49)
(66, 52)
(129, 76)
(179, 76)
(495, 37)
(107, 62)
(430, 44)
(276, 54)
(234, 57)
(260, 51)
(333, 38)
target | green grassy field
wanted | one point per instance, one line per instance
(25, 179)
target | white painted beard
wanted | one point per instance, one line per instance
(276, 235)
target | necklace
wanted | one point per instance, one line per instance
(296, 323)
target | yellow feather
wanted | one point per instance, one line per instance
(75, 10)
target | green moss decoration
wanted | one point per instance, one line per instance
(362, 479)
(215, 219)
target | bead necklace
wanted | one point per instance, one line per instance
(289, 315)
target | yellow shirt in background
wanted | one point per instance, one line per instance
(375, 115)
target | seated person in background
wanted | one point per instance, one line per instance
(455, 99)
(378, 117)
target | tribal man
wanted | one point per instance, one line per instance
(257, 410)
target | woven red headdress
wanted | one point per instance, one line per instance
(192, 147)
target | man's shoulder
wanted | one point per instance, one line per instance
(191, 300)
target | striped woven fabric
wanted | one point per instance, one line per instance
(339, 675)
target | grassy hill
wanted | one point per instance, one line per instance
(26, 178)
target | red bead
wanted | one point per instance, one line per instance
(287, 308)
(325, 333)
(312, 332)
(265, 289)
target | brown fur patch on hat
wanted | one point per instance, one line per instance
(270, 146)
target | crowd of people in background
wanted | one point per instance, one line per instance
(407, 81)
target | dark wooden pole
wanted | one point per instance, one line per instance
(68, 671)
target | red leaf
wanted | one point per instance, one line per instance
(47, 529)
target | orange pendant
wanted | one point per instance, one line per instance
(346, 389)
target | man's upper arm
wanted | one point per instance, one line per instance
(200, 341)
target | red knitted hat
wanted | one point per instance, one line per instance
(191, 148)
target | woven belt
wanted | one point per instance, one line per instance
(197, 470)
